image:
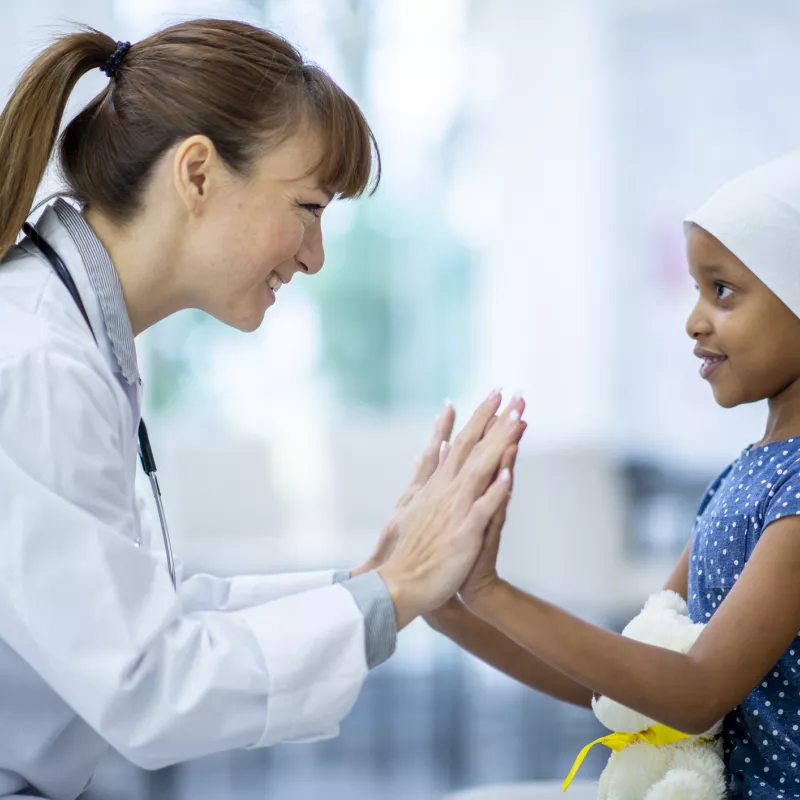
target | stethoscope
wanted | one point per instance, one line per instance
(145, 451)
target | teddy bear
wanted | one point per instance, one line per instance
(657, 762)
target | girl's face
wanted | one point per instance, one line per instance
(748, 339)
(252, 235)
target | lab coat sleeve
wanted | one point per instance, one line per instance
(97, 618)
(202, 592)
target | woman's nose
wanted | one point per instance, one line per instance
(311, 255)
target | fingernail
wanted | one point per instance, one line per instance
(505, 475)
(495, 393)
(448, 403)
(516, 397)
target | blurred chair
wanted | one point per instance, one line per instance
(547, 790)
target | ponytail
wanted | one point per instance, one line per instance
(30, 122)
(245, 88)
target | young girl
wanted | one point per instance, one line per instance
(740, 572)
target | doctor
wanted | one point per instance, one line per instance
(200, 173)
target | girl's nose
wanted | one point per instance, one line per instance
(698, 323)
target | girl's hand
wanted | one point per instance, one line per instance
(493, 530)
(483, 574)
(426, 466)
(441, 530)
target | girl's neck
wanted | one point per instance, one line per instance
(783, 420)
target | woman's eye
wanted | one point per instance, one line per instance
(312, 208)
(723, 291)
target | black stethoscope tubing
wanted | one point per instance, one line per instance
(145, 450)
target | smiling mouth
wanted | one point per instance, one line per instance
(274, 281)
(710, 365)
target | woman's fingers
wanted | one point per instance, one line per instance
(509, 461)
(430, 460)
(443, 526)
(472, 433)
(485, 567)
(483, 462)
(493, 499)
(497, 522)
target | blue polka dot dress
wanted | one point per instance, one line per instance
(761, 736)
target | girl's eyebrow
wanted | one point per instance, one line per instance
(707, 271)
(711, 269)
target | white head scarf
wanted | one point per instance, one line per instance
(757, 217)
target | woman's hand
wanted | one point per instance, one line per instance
(483, 575)
(426, 466)
(441, 530)
(486, 561)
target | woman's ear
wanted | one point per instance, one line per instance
(193, 166)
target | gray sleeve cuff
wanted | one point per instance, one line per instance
(342, 575)
(380, 624)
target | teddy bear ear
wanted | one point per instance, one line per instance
(666, 600)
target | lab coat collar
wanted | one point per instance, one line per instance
(97, 266)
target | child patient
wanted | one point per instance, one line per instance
(740, 571)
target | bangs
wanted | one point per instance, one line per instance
(350, 165)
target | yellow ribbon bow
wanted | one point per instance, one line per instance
(656, 734)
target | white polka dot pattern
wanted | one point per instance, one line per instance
(761, 736)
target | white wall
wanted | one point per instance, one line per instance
(539, 191)
(27, 28)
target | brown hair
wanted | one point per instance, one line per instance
(241, 86)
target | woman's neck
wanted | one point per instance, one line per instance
(142, 258)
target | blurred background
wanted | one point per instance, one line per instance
(539, 156)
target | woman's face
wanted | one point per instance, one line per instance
(250, 236)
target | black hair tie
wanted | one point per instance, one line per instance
(112, 66)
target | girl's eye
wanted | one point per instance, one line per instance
(723, 291)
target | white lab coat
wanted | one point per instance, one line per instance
(95, 646)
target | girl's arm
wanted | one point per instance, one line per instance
(679, 580)
(752, 628)
(490, 645)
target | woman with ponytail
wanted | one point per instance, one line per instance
(197, 179)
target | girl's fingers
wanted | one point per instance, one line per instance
(492, 541)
